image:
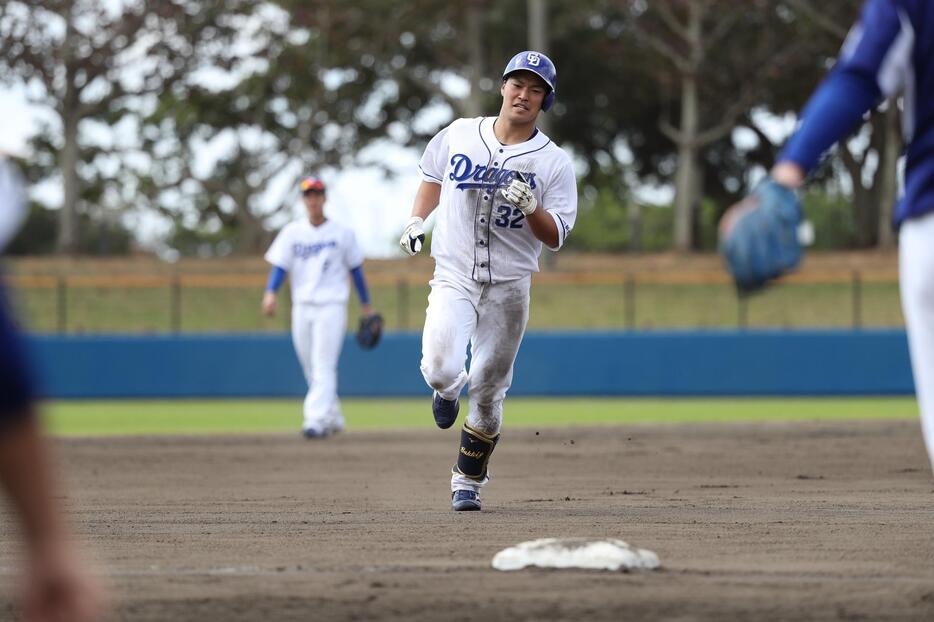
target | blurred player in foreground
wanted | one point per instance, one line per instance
(318, 253)
(889, 51)
(57, 586)
(503, 189)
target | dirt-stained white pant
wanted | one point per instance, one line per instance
(318, 336)
(492, 318)
(916, 275)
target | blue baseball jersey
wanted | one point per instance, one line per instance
(16, 381)
(890, 50)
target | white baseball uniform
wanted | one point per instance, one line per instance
(318, 260)
(12, 201)
(485, 254)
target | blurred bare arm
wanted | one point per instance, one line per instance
(57, 586)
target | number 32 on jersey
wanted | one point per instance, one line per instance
(509, 217)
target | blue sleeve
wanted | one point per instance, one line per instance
(276, 277)
(360, 283)
(871, 64)
(834, 110)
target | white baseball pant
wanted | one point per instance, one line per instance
(916, 274)
(318, 336)
(492, 318)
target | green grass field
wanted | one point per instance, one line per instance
(125, 417)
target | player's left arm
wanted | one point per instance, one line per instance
(551, 220)
(543, 227)
(873, 63)
(559, 202)
(353, 259)
(359, 281)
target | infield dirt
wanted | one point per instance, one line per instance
(796, 521)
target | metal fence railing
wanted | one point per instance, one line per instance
(229, 302)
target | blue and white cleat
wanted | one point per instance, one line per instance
(445, 411)
(465, 501)
(315, 433)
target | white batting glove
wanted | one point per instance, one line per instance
(413, 237)
(519, 193)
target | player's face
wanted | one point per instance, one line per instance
(523, 93)
(314, 203)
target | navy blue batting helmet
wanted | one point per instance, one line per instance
(540, 65)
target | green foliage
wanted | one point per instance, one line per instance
(37, 236)
(610, 223)
(196, 242)
(602, 225)
(321, 82)
(833, 219)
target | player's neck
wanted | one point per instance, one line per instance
(508, 133)
(317, 222)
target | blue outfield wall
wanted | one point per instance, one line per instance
(686, 363)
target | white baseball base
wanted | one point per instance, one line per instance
(586, 553)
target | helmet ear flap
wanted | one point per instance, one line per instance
(548, 102)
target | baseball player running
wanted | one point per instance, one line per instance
(318, 253)
(890, 50)
(503, 189)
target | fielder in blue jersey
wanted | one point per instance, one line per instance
(56, 587)
(889, 51)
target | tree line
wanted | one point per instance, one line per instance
(192, 108)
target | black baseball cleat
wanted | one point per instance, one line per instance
(445, 411)
(465, 501)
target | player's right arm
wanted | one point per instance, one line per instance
(270, 296)
(873, 63)
(431, 167)
(280, 257)
(426, 200)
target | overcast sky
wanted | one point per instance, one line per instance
(363, 198)
(375, 206)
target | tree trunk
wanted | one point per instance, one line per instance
(538, 41)
(865, 207)
(68, 241)
(634, 215)
(685, 183)
(684, 179)
(251, 235)
(888, 183)
(473, 104)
